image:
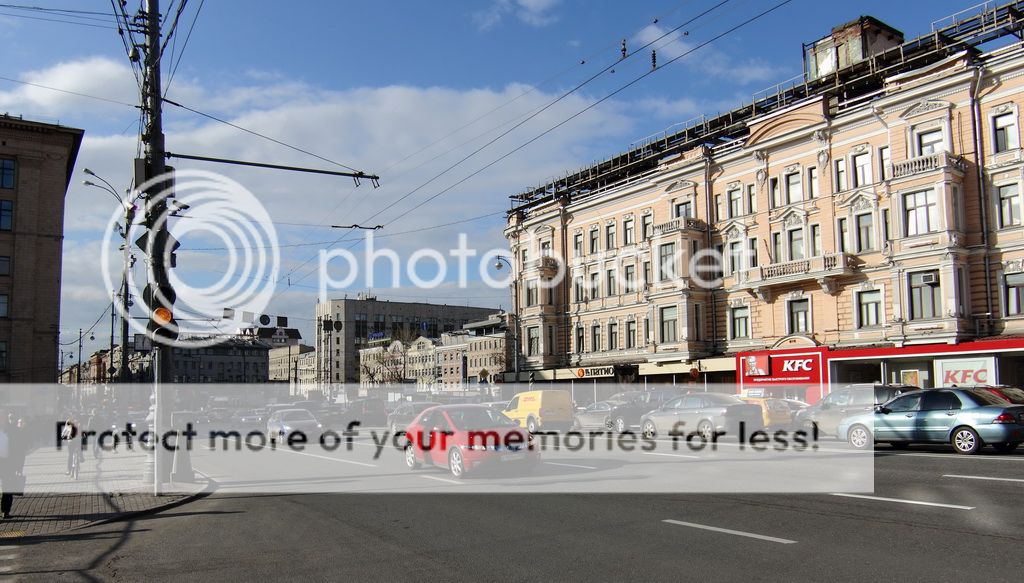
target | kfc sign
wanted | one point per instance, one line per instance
(797, 365)
(782, 369)
(965, 371)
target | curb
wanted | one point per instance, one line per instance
(211, 486)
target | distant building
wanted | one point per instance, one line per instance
(354, 323)
(37, 161)
(275, 337)
(283, 362)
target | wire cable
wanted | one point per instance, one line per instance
(184, 44)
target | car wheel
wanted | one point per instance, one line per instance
(649, 431)
(705, 430)
(620, 425)
(410, 457)
(531, 425)
(456, 465)
(965, 440)
(1005, 447)
(859, 437)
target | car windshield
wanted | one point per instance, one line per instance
(1013, 393)
(298, 416)
(625, 397)
(470, 418)
(717, 399)
(984, 398)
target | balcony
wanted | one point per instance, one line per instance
(679, 224)
(822, 268)
(547, 266)
(930, 163)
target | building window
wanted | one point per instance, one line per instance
(869, 309)
(794, 188)
(646, 226)
(5, 265)
(752, 251)
(648, 276)
(735, 202)
(777, 248)
(668, 324)
(1015, 294)
(739, 320)
(627, 232)
(885, 162)
(533, 341)
(613, 335)
(842, 233)
(812, 182)
(6, 173)
(751, 199)
(577, 288)
(6, 215)
(885, 225)
(735, 256)
(551, 340)
(3, 355)
(1009, 205)
(1006, 136)
(595, 338)
(593, 240)
(920, 213)
(773, 189)
(610, 282)
(925, 295)
(815, 240)
(799, 316)
(595, 285)
(666, 261)
(631, 334)
(865, 232)
(930, 142)
(531, 297)
(4, 305)
(545, 249)
(862, 169)
(796, 244)
(630, 272)
(684, 210)
(840, 175)
(577, 245)
(609, 237)
(579, 340)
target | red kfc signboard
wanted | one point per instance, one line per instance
(802, 367)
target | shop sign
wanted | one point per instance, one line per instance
(595, 371)
(965, 371)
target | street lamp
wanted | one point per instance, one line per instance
(515, 308)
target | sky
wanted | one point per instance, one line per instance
(413, 91)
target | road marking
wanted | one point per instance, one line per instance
(735, 532)
(982, 478)
(570, 466)
(445, 480)
(333, 459)
(696, 457)
(810, 445)
(902, 501)
(953, 456)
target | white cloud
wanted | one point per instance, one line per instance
(536, 13)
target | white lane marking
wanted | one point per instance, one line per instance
(953, 456)
(810, 444)
(570, 466)
(333, 459)
(696, 457)
(445, 480)
(902, 501)
(982, 478)
(773, 539)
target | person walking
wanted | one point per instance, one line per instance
(10, 475)
(68, 434)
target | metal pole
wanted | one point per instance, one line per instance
(129, 218)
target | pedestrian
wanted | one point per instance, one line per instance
(11, 480)
(68, 434)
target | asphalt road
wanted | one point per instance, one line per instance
(934, 516)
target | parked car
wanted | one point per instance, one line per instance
(368, 412)
(477, 436)
(593, 415)
(496, 405)
(845, 402)
(967, 419)
(247, 418)
(627, 414)
(404, 414)
(546, 409)
(774, 412)
(285, 422)
(625, 397)
(704, 413)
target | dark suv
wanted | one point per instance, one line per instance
(844, 402)
(628, 414)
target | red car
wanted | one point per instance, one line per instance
(464, 438)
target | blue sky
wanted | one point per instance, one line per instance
(370, 83)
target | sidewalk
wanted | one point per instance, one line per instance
(107, 488)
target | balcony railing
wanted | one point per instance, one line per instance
(679, 223)
(812, 267)
(927, 163)
(546, 263)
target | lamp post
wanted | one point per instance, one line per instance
(128, 203)
(515, 309)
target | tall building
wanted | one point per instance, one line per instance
(863, 224)
(37, 162)
(353, 323)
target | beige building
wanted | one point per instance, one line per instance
(875, 204)
(451, 356)
(284, 362)
(37, 162)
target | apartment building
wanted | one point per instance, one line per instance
(862, 225)
(37, 161)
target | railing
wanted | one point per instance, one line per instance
(679, 223)
(784, 269)
(927, 164)
(811, 265)
(544, 263)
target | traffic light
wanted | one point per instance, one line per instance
(159, 300)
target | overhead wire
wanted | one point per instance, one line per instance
(184, 45)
